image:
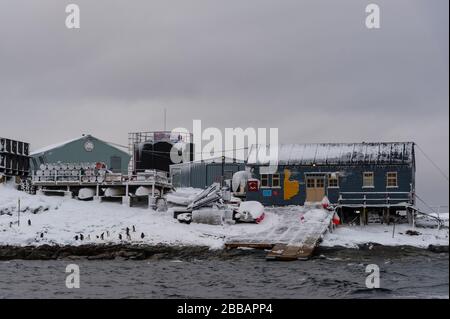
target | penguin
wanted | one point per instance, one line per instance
(102, 236)
(42, 235)
(134, 229)
(81, 237)
(29, 222)
(142, 235)
(128, 231)
(76, 237)
(120, 236)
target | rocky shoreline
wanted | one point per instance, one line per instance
(101, 252)
(157, 252)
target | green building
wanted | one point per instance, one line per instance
(84, 149)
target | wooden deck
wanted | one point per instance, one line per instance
(295, 238)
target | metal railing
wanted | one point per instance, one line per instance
(149, 176)
(374, 198)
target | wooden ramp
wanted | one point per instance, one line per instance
(296, 236)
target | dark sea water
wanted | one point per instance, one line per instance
(404, 273)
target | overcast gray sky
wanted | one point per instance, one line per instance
(310, 68)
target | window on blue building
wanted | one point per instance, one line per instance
(392, 180)
(368, 180)
(276, 180)
(333, 181)
(265, 180)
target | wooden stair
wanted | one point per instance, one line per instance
(292, 240)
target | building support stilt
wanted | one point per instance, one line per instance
(385, 216)
(362, 218)
(68, 193)
(151, 202)
(409, 216)
(126, 201)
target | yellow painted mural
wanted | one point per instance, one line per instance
(291, 188)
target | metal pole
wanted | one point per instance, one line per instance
(223, 170)
(18, 212)
(165, 119)
(393, 229)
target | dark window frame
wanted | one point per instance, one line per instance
(265, 177)
(389, 179)
(276, 177)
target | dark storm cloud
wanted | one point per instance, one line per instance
(310, 68)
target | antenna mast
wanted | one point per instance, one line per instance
(165, 119)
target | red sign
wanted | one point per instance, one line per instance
(252, 186)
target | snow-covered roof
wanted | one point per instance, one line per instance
(335, 153)
(61, 144)
(53, 146)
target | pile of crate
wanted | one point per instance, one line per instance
(14, 158)
(71, 172)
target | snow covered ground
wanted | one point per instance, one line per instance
(351, 236)
(60, 220)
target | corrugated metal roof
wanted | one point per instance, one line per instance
(335, 153)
